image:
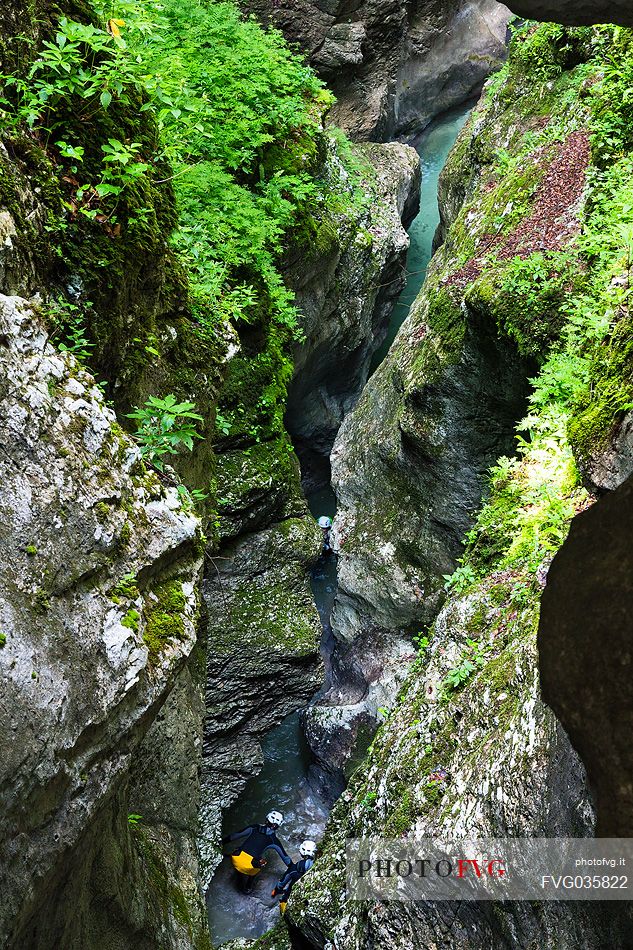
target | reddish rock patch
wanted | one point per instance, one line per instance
(553, 221)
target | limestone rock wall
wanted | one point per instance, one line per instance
(393, 65)
(263, 627)
(99, 610)
(346, 297)
(491, 762)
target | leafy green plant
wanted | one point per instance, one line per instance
(134, 819)
(80, 61)
(222, 424)
(67, 322)
(368, 800)
(191, 497)
(164, 427)
(421, 641)
(471, 660)
(460, 580)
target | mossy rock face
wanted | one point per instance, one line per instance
(257, 485)
(530, 266)
(165, 615)
(451, 762)
(126, 280)
(105, 542)
(263, 662)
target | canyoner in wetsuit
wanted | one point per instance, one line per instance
(248, 859)
(296, 871)
(325, 524)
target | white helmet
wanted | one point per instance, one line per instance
(274, 818)
(324, 522)
(308, 849)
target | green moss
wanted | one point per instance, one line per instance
(164, 610)
(31, 550)
(200, 543)
(125, 534)
(3, 639)
(102, 511)
(126, 588)
(608, 394)
(402, 817)
(526, 296)
(42, 601)
(131, 619)
(443, 344)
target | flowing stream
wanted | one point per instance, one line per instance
(283, 781)
(433, 147)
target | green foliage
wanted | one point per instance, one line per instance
(369, 800)
(127, 588)
(529, 302)
(164, 427)
(460, 580)
(3, 639)
(67, 323)
(470, 661)
(421, 641)
(191, 497)
(42, 601)
(133, 820)
(80, 61)
(222, 424)
(540, 53)
(241, 122)
(164, 619)
(131, 619)
(612, 96)
(532, 501)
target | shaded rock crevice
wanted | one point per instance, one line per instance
(585, 651)
(346, 299)
(263, 628)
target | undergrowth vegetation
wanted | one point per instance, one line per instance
(569, 307)
(138, 105)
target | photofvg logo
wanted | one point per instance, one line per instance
(490, 869)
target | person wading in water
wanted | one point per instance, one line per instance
(248, 858)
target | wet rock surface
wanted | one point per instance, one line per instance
(263, 657)
(98, 615)
(426, 776)
(263, 626)
(393, 65)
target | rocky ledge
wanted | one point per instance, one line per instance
(99, 611)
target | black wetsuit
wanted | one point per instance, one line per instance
(257, 840)
(292, 875)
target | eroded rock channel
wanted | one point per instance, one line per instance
(303, 766)
(213, 330)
